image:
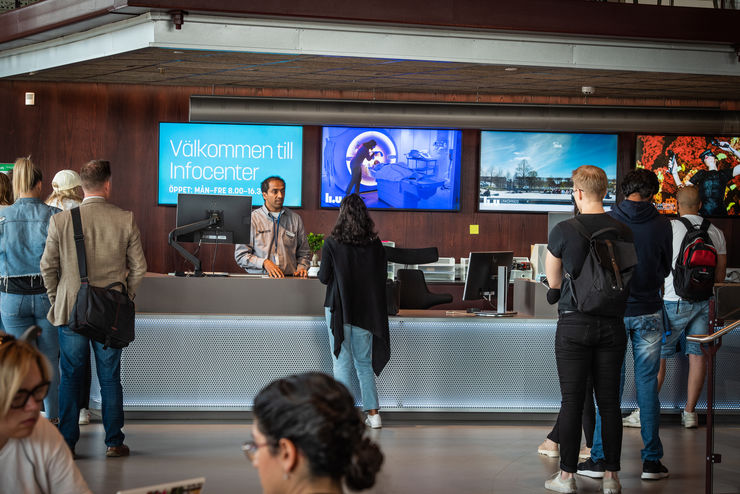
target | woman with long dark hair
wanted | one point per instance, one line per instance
(354, 270)
(308, 437)
(23, 230)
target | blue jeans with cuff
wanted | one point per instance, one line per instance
(686, 319)
(646, 334)
(356, 355)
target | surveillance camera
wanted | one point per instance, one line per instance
(587, 90)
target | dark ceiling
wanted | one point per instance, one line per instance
(312, 72)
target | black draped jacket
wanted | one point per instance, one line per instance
(355, 277)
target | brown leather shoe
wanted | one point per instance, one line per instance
(117, 451)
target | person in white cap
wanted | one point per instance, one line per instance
(67, 192)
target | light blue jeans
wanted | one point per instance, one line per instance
(75, 353)
(355, 356)
(646, 334)
(18, 313)
(686, 319)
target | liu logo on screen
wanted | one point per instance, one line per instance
(332, 199)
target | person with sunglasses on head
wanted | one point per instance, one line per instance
(34, 459)
(308, 437)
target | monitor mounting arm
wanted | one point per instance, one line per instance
(191, 228)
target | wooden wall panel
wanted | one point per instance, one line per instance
(72, 123)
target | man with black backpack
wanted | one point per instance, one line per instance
(643, 318)
(699, 260)
(590, 336)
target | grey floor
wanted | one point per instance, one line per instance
(426, 457)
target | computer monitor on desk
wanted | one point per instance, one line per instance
(210, 219)
(488, 274)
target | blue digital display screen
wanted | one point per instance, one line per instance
(227, 159)
(408, 169)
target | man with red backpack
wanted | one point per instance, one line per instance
(699, 260)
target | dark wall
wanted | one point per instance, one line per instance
(73, 123)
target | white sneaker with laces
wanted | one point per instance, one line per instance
(690, 420)
(632, 420)
(84, 416)
(558, 484)
(373, 421)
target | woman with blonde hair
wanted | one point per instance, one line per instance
(23, 230)
(67, 190)
(67, 194)
(34, 458)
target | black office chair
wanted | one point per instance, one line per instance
(414, 291)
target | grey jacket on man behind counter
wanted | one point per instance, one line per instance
(292, 245)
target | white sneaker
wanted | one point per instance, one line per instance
(549, 448)
(690, 420)
(373, 421)
(611, 486)
(557, 484)
(632, 420)
(84, 416)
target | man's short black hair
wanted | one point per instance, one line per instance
(266, 183)
(642, 181)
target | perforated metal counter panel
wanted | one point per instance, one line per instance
(185, 362)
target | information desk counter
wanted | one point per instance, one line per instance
(186, 359)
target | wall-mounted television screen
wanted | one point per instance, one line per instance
(711, 163)
(392, 168)
(228, 159)
(530, 171)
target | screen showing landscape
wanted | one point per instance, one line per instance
(392, 168)
(530, 171)
(711, 163)
(228, 159)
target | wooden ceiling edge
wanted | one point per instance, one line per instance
(360, 95)
(408, 96)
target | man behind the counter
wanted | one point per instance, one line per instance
(278, 244)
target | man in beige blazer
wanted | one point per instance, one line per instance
(113, 253)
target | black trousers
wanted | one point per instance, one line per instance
(355, 181)
(589, 345)
(588, 418)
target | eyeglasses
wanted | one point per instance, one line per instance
(21, 396)
(250, 449)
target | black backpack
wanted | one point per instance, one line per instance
(693, 274)
(602, 287)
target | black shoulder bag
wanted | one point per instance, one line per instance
(105, 315)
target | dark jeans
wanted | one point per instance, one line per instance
(589, 345)
(75, 351)
(588, 418)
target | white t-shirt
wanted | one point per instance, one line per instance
(679, 231)
(40, 464)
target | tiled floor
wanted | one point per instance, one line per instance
(433, 457)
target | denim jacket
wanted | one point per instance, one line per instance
(23, 229)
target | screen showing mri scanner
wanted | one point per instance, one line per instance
(392, 168)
